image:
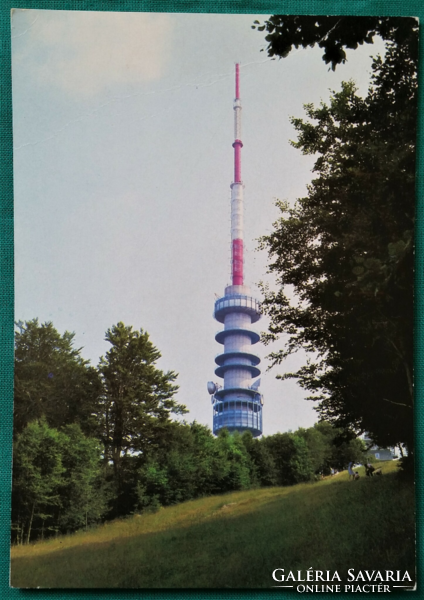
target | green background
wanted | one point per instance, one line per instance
(318, 7)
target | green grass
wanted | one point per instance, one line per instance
(236, 540)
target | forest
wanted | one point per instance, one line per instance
(92, 444)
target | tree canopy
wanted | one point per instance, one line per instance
(52, 379)
(138, 397)
(335, 34)
(343, 255)
(57, 483)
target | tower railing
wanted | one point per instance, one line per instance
(243, 303)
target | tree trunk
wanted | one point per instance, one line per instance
(30, 523)
(401, 355)
(410, 381)
(19, 534)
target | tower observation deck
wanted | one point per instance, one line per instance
(237, 404)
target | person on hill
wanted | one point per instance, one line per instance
(350, 470)
(369, 469)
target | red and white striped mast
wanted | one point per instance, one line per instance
(237, 194)
(237, 405)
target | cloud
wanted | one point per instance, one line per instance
(86, 53)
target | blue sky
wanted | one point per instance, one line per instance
(123, 126)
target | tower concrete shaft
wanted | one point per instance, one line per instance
(237, 404)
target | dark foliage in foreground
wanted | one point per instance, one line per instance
(343, 255)
(336, 34)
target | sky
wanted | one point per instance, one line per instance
(123, 160)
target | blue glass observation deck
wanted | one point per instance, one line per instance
(237, 404)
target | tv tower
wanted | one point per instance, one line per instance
(237, 405)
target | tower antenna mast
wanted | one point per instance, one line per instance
(237, 226)
(237, 405)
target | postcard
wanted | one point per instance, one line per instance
(214, 259)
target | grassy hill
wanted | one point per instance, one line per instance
(236, 540)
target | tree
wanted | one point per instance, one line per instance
(84, 493)
(235, 460)
(53, 380)
(334, 34)
(264, 470)
(346, 250)
(138, 397)
(320, 447)
(174, 471)
(348, 451)
(331, 447)
(210, 464)
(57, 481)
(291, 456)
(37, 476)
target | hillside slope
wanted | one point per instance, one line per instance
(236, 540)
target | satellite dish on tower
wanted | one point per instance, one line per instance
(211, 387)
(256, 385)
